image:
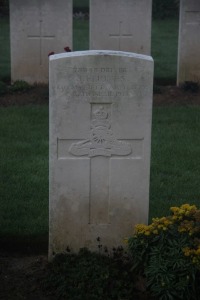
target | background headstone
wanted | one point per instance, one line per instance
(38, 27)
(189, 42)
(123, 25)
(100, 136)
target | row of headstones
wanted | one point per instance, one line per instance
(40, 27)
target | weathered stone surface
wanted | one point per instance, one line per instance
(100, 136)
(189, 42)
(123, 25)
(37, 28)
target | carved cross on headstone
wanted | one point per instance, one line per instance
(120, 35)
(41, 37)
(101, 148)
(99, 158)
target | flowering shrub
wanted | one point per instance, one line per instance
(167, 253)
(165, 9)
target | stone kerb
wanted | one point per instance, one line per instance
(100, 137)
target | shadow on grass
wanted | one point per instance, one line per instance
(165, 81)
(26, 245)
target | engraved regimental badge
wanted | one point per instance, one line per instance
(102, 140)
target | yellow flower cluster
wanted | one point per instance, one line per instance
(157, 225)
(194, 254)
(178, 217)
(142, 229)
(187, 226)
(184, 210)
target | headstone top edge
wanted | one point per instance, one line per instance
(100, 53)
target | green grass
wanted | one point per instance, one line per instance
(4, 49)
(164, 47)
(81, 35)
(175, 167)
(24, 170)
(164, 50)
(175, 160)
(81, 3)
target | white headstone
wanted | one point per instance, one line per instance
(123, 25)
(37, 27)
(189, 42)
(100, 136)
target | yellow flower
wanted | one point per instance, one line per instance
(186, 251)
(181, 229)
(194, 260)
(188, 207)
(174, 209)
(198, 251)
(147, 232)
(126, 241)
(141, 228)
(155, 220)
(162, 283)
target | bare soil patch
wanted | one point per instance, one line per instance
(163, 96)
(38, 94)
(173, 95)
(21, 277)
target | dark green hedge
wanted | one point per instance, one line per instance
(4, 7)
(161, 8)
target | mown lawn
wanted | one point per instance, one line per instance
(24, 170)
